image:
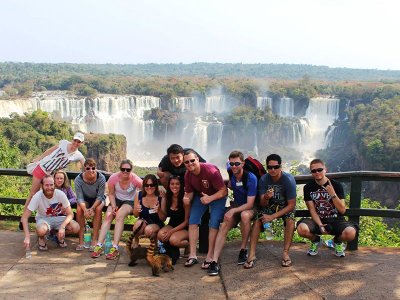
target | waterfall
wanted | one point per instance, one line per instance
(183, 104)
(285, 107)
(264, 102)
(216, 104)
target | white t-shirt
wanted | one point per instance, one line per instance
(49, 207)
(59, 158)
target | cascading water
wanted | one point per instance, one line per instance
(285, 107)
(264, 102)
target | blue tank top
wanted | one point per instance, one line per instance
(147, 214)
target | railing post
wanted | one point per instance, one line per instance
(355, 202)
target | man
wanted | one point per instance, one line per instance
(277, 191)
(89, 187)
(325, 200)
(172, 164)
(241, 210)
(53, 213)
(204, 189)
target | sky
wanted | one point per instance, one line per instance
(336, 33)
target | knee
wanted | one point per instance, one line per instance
(349, 234)
(41, 230)
(119, 218)
(302, 229)
(173, 240)
(245, 217)
(74, 227)
(148, 231)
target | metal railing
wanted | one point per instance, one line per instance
(354, 212)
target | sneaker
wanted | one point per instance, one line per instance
(98, 250)
(339, 250)
(214, 269)
(242, 256)
(314, 248)
(114, 253)
(331, 244)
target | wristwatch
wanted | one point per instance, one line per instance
(334, 196)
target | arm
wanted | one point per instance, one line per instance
(187, 198)
(111, 197)
(287, 209)
(248, 205)
(315, 216)
(221, 193)
(24, 219)
(68, 219)
(160, 211)
(45, 153)
(184, 224)
(137, 208)
(340, 204)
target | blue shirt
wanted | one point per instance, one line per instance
(240, 193)
(284, 188)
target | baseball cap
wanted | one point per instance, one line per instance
(79, 136)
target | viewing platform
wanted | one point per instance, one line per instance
(369, 273)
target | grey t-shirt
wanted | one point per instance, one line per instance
(89, 191)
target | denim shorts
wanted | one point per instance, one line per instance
(51, 222)
(217, 211)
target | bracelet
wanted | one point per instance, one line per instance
(334, 196)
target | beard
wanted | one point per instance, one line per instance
(48, 193)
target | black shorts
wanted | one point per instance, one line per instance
(119, 203)
(334, 226)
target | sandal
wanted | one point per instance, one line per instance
(62, 243)
(249, 264)
(191, 262)
(205, 265)
(286, 262)
(80, 248)
(42, 247)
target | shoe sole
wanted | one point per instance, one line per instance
(96, 256)
(312, 254)
(213, 274)
(242, 263)
(111, 258)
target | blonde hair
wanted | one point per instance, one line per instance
(65, 184)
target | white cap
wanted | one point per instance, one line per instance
(79, 136)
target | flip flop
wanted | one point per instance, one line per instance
(205, 265)
(80, 248)
(191, 262)
(62, 243)
(249, 264)
(286, 262)
(42, 247)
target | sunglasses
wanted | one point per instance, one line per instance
(186, 162)
(125, 169)
(149, 185)
(90, 168)
(236, 164)
(319, 170)
(273, 167)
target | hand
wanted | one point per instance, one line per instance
(166, 236)
(329, 188)
(114, 210)
(155, 208)
(267, 218)
(228, 215)
(61, 234)
(205, 199)
(139, 208)
(27, 242)
(186, 200)
(269, 194)
(322, 229)
(162, 193)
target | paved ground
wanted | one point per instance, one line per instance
(369, 273)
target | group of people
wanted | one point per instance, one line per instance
(191, 187)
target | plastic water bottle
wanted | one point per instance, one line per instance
(161, 248)
(87, 237)
(269, 235)
(108, 243)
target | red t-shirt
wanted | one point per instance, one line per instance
(209, 181)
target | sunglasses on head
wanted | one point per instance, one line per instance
(125, 169)
(90, 168)
(319, 170)
(186, 162)
(149, 185)
(174, 177)
(236, 164)
(273, 167)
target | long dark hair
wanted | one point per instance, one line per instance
(153, 178)
(168, 195)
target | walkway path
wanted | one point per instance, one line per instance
(369, 273)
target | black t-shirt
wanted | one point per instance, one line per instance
(166, 166)
(322, 200)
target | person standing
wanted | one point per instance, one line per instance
(241, 209)
(50, 205)
(90, 188)
(277, 191)
(204, 189)
(324, 198)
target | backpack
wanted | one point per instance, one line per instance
(254, 166)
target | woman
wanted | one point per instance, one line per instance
(122, 188)
(61, 182)
(175, 233)
(56, 157)
(147, 208)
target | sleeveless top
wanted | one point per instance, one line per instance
(176, 217)
(147, 213)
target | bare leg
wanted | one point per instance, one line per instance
(106, 225)
(193, 238)
(81, 220)
(122, 212)
(179, 239)
(212, 236)
(288, 235)
(97, 223)
(220, 240)
(245, 226)
(255, 232)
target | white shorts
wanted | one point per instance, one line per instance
(51, 222)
